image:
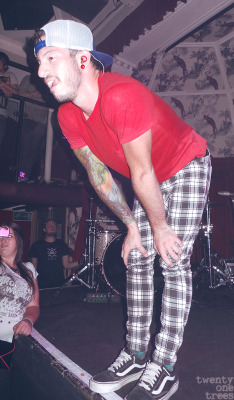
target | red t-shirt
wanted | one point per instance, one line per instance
(126, 109)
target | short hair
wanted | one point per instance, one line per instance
(46, 222)
(37, 36)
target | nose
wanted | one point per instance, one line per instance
(41, 71)
(43, 68)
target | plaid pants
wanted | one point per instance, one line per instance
(185, 196)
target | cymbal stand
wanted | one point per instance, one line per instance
(92, 278)
(215, 272)
(207, 232)
(89, 254)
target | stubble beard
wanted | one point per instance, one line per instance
(72, 83)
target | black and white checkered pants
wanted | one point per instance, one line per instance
(185, 196)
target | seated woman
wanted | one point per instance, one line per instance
(19, 299)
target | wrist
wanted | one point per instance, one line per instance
(28, 320)
(132, 226)
(161, 228)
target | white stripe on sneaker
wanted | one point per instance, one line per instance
(129, 369)
(160, 389)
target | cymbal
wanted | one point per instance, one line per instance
(226, 194)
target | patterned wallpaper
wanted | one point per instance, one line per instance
(197, 79)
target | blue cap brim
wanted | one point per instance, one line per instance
(104, 58)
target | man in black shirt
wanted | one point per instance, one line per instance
(50, 256)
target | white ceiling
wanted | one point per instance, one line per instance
(171, 29)
(115, 11)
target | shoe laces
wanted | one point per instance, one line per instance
(120, 360)
(150, 376)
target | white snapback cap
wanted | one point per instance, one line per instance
(72, 35)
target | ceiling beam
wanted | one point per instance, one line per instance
(175, 25)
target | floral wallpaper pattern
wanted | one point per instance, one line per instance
(227, 52)
(197, 79)
(210, 117)
(189, 69)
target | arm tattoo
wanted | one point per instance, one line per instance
(105, 186)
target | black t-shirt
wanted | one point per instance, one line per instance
(49, 262)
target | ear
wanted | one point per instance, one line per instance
(83, 59)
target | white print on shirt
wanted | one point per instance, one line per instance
(52, 254)
(15, 295)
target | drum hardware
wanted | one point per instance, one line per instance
(231, 199)
(75, 277)
(229, 269)
(89, 267)
(96, 242)
(207, 232)
(103, 266)
(213, 268)
(103, 262)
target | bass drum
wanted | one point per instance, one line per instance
(114, 269)
(103, 238)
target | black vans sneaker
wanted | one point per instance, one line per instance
(126, 368)
(156, 383)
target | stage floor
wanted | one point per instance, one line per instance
(85, 338)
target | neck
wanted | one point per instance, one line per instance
(50, 239)
(10, 262)
(88, 93)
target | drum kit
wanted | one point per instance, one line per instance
(102, 268)
(213, 271)
(102, 265)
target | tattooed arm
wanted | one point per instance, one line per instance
(104, 185)
(109, 192)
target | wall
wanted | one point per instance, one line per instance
(196, 78)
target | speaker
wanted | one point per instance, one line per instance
(25, 14)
